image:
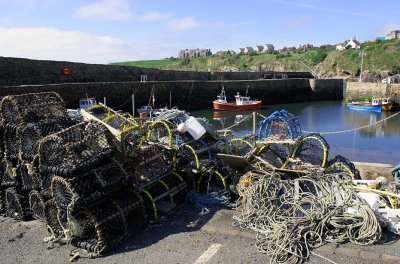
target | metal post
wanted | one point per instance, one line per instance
(105, 100)
(133, 105)
(254, 123)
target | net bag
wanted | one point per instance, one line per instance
(74, 150)
(33, 107)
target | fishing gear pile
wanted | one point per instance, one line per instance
(295, 199)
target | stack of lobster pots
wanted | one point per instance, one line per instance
(25, 119)
(94, 204)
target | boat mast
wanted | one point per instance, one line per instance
(247, 89)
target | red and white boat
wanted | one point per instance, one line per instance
(241, 103)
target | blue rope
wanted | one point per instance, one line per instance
(204, 202)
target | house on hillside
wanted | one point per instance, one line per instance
(305, 47)
(353, 44)
(248, 50)
(394, 34)
(194, 53)
(264, 48)
(259, 49)
(241, 50)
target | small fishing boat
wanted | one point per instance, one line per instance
(241, 102)
(145, 109)
(375, 105)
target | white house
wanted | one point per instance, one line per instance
(264, 48)
(241, 50)
(248, 50)
(341, 46)
(394, 34)
(354, 44)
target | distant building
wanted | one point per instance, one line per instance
(341, 46)
(394, 34)
(223, 52)
(264, 48)
(354, 44)
(194, 53)
(241, 50)
(305, 47)
(248, 50)
(351, 44)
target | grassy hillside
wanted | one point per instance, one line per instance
(324, 60)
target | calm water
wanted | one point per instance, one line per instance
(379, 143)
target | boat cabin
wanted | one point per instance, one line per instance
(86, 103)
(242, 100)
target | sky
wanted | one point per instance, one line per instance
(106, 31)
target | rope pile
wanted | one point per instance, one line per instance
(293, 216)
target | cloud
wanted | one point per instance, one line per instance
(298, 22)
(54, 44)
(105, 9)
(155, 16)
(183, 24)
(383, 31)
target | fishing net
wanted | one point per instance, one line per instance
(212, 180)
(16, 205)
(342, 164)
(31, 108)
(152, 162)
(280, 125)
(29, 177)
(31, 134)
(239, 146)
(37, 205)
(102, 226)
(312, 149)
(11, 143)
(74, 150)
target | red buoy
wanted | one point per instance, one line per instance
(66, 71)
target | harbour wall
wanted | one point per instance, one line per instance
(189, 95)
(359, 90)
(16, 71)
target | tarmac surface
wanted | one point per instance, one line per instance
(184, 237)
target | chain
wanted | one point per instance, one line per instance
(347, 130)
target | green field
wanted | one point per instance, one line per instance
(323, 61)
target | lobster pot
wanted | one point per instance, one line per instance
(29, 177)
(11, 143)
(32, 133)
(16, 205)
(276, 154)
(32, 108)
(341, 164)
(75, 150)
(164, 195)
(55, 218)
(280, 125)
(311, 149)
(152, 162)
(9, 176)
(88, 188)
(37, 205)
(102, 226)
